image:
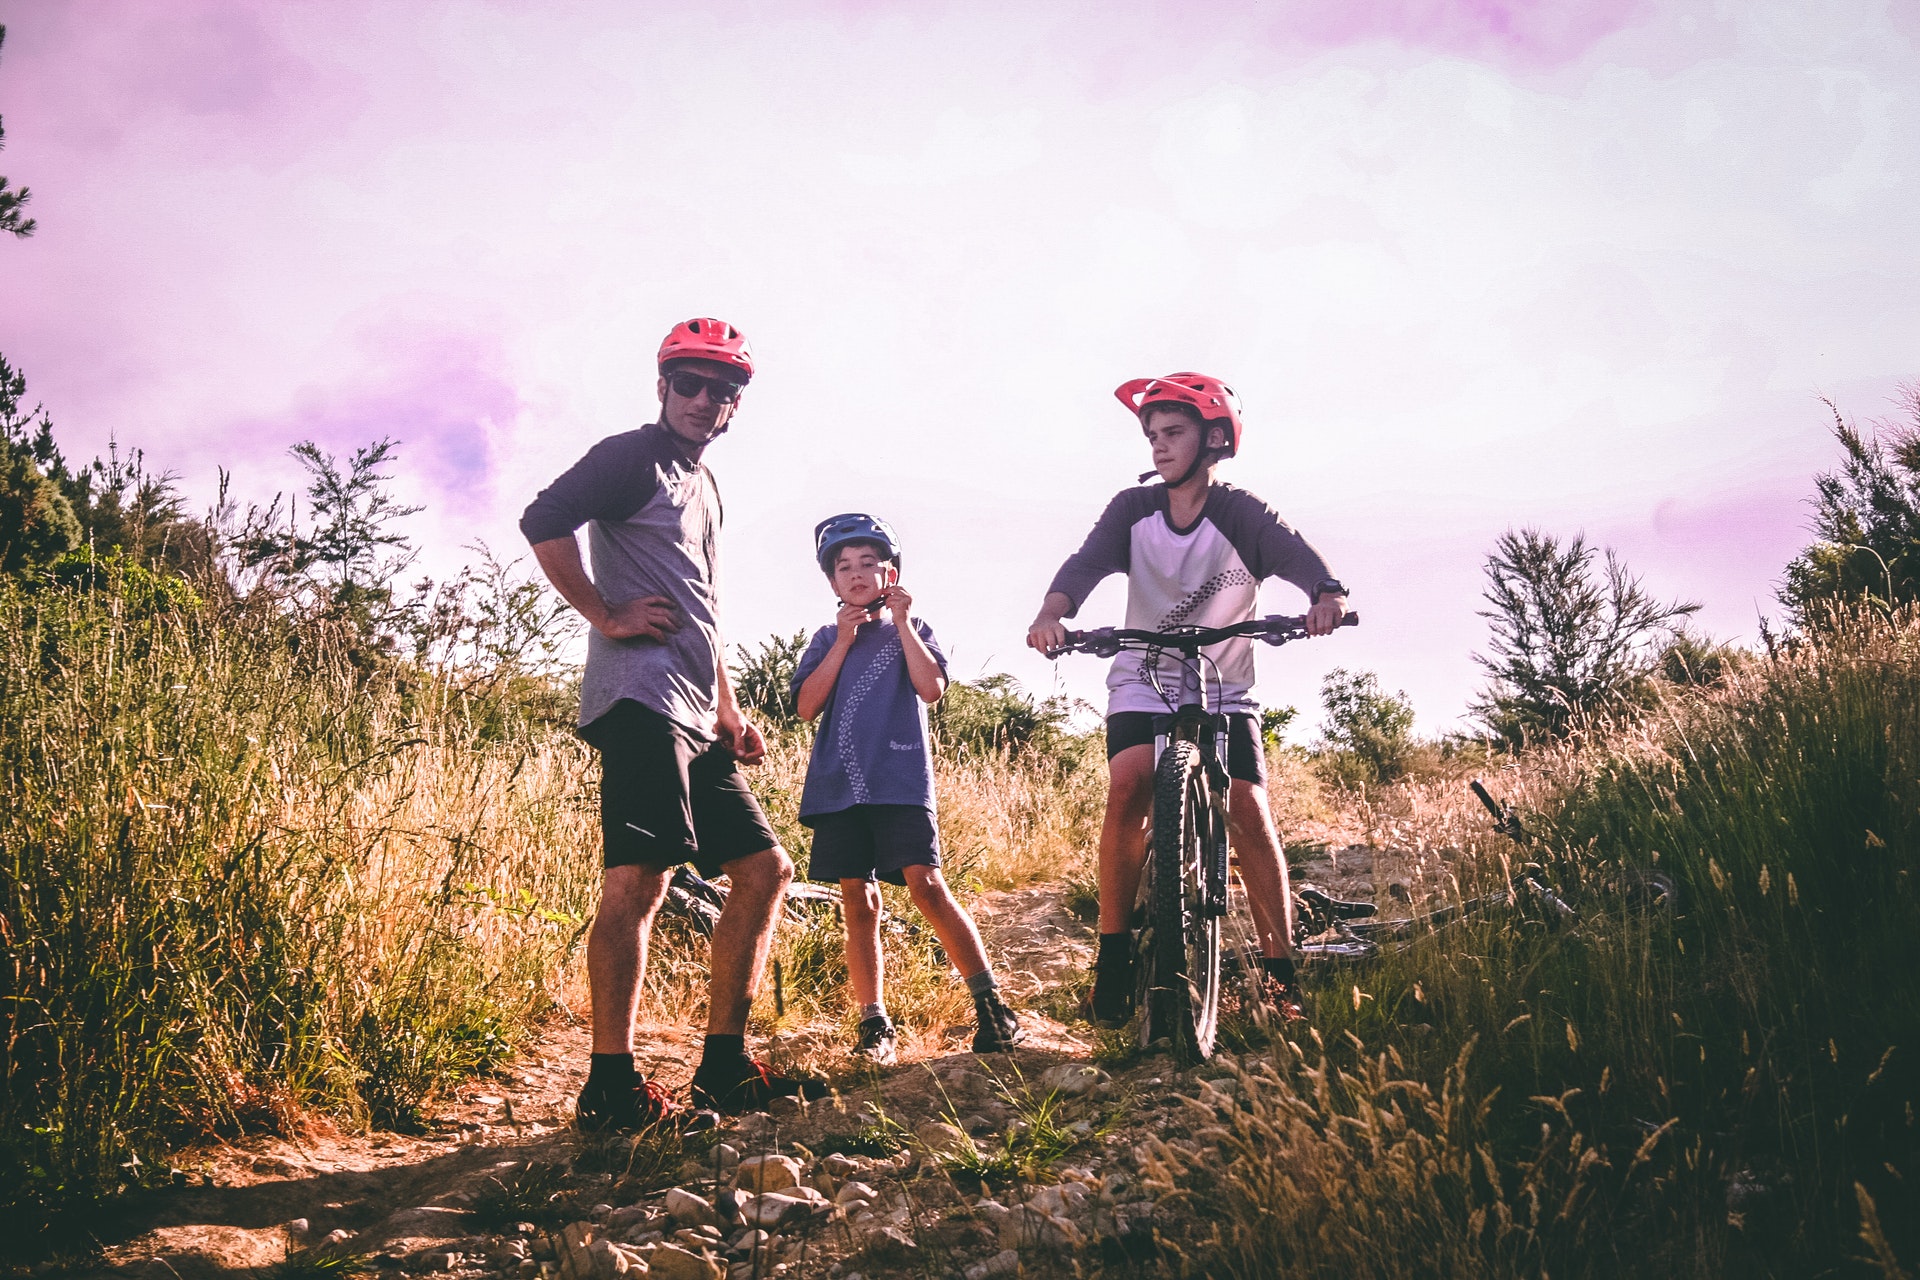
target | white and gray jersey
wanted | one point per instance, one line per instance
(653, 529)
(1206, 575)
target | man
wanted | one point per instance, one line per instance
(656, 703)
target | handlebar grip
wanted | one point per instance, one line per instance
(1486, 799)
(1351, 620)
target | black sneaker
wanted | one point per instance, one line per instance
(878, 1041)
(1112, 998)
(999, 1029)
(753, 1091)
(643, 1106)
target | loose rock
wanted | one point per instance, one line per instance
(689, 1209)
(671, 1262)
(1004, 1263)
(767, 1173)
(1072, 1079)
(1027, 1227)
(942, 1140)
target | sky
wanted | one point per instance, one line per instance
(1472, 265)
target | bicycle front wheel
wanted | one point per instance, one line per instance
(1182, 961)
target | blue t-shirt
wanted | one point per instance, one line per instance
(871, 743)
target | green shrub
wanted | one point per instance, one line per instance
(994, 713)
(1369, 733)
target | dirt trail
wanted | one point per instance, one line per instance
(401, 1201)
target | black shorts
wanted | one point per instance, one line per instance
(668, 797)
(872, 842)
(1246, 752)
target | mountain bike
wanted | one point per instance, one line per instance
(1183, 886)
(1326, 928)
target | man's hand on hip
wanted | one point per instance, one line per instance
(648, 618)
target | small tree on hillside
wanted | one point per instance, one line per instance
(37, 524)
(1570, 638)
(346, 562)
(1866, 520)
(1371, 727)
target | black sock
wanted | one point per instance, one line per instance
(1279, 968)
(610, 1072)
(1116, 950)
(725, 1056)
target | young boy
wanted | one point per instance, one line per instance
(1195, 553)
(869, 792)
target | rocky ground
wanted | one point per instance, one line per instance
(1040, 1160)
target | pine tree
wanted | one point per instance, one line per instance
(1570, 638)
(1866, 521)
(12, 199)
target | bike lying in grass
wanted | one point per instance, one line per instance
(1326, 928)
(1183, 886)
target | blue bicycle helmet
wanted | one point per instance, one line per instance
(855, 526)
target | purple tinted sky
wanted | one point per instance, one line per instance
(1470, 264)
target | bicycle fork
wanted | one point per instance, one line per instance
(1189, 724)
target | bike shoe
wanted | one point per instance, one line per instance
(878, 1041)
(754, 1091)
(644, 1106)
(1000, 1029)
(1112, 999)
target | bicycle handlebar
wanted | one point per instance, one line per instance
(1105, 642)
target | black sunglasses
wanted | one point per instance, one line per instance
(719, 390)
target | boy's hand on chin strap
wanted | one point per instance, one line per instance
(848, 620)
(899, 601)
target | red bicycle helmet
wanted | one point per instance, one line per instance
(1211, 398)
(705, 338)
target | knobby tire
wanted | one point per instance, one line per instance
(1181, 973)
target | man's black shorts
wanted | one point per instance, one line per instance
(668, 797)
(873, 842)
(1246, 753)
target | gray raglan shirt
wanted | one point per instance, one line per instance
(1206, 575)
(653, 529)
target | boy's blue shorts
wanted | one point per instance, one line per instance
(872, 842)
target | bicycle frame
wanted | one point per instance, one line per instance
(1185, 901)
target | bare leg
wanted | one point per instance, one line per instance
(1123, 836)
(630, 897)
(861, 901)
(1250, 823)
(950, 921)
(743, 935)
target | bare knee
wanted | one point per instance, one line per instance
(629, 895)
(927, 886)
(861, 901)
(766, 873)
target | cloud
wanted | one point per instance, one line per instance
(445, 397)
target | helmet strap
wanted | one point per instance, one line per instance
(1203, 457)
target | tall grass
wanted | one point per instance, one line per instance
(1728, 1091)
(244, 873)
(249, 871)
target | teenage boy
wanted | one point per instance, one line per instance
(869, 792)
(656, 704)
(1194, 552)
